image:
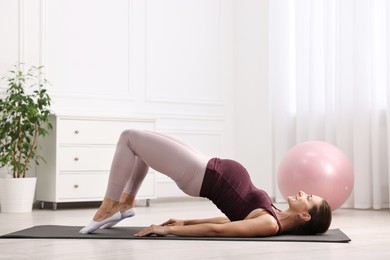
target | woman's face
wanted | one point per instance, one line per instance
(303, 202)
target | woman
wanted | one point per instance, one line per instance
(249, 211)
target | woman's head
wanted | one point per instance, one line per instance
(313, 213)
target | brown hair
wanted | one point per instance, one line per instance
(320, 220)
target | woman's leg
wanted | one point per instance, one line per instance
(137, 176)
(127, 200)
(141, 169)
(136, 150)
(164, 154)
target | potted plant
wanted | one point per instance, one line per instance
(24, 116)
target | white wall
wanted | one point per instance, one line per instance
(198, 66)
(252, 118)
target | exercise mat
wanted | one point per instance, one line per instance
(72, 232)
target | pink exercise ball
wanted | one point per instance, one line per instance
(316, 168)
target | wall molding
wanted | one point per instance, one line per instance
(169, 98)
(45, 42)
(190, 131)
(42, 33)
(182, 100)
(196, 117)
(21, 30)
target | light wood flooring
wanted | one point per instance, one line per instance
(368, 229)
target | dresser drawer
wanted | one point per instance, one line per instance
(82, 186)
(79, 154)
(85, 158)
(74, 131)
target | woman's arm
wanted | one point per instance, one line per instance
(217, 220)
(264, 225)
(179, 222)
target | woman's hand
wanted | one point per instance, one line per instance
(153, 229)
(173, 222)
(160, 230)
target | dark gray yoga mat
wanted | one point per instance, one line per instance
(71, 232)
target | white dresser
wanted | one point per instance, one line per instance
(79, 151)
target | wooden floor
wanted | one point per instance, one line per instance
(368, 229)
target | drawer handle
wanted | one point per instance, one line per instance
(76, 158)
(76, 131)
(76, 186)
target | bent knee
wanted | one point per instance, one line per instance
(127, 135)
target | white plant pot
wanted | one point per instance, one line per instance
(17, 194)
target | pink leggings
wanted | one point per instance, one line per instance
(136, 151)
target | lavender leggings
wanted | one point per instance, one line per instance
(136, 151)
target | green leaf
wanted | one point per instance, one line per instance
(25, 111)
